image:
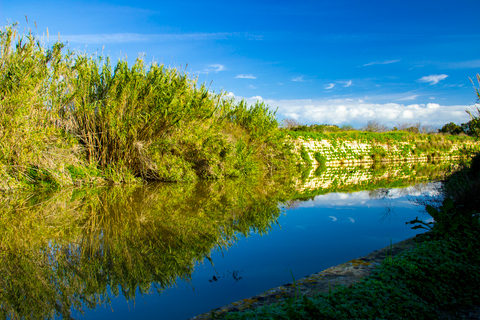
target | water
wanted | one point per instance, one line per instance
(310, 237)
(201, 246)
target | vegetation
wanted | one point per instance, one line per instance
(472, 127)
(362, 146)
(69, 118)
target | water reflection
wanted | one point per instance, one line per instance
(75, 247)
(78, 249)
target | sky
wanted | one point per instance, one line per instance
(342, 62)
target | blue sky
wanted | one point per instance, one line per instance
(337, 62)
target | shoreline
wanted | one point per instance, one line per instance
(345, 274)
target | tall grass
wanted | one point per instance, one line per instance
(118, 115)
(70, 115)
(32, 148)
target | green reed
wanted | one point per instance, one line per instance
(73, 118)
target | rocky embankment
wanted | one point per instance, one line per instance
(362, 150)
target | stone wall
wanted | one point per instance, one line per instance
(352, 151)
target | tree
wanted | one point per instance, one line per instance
(452, 128)
(409, 127)
(290, 123)
(347, 127)
(374, 126)
(473, 126)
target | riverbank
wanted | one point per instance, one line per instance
(345, 274)
(357, 147)
(437, 278)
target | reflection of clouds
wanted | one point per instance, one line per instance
(333, 218)
(351, 220)
(363, 198)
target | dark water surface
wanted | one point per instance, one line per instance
(173, 251)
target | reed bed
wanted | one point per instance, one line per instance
(69, 118)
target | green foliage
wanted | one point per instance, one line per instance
(472, 127)
(321, 159)
(451, 128)
(305, 156)
(448, 220)
(31, 145)
(463, 186)
(62, 113)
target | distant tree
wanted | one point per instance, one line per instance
(374, 126)
(290, 123)
(428, 129)
(409, 127)
(451, 128)
(347, 127)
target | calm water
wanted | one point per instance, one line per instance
(174, 251)
(312, 236)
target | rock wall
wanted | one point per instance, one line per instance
(332, 151)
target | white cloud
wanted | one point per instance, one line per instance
(433, 79)
(299, 79)
(380, 62)
(415, 96)
(215, 68)
(358, 112)
(346, 84)
(333, 218)
(104, 38)
(251, 86)
(245, 76)
(330, 86)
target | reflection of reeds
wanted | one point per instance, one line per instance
(76, 244)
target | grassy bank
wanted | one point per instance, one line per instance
(438, 278)
(71, 118)
(319, 148)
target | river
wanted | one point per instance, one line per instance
(171, 251)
